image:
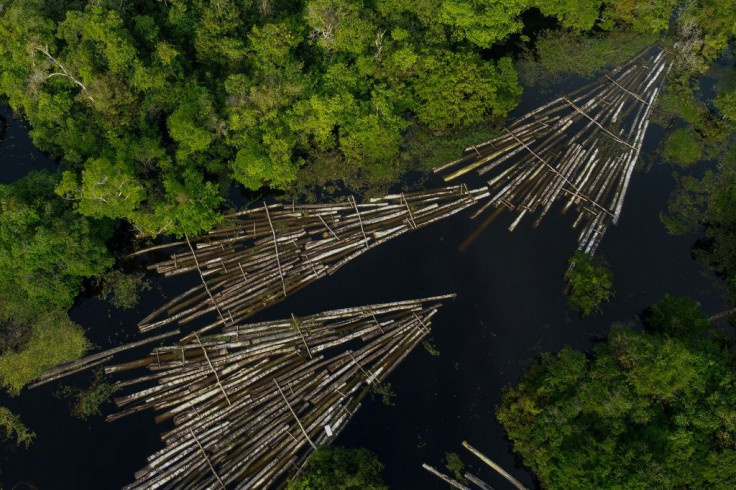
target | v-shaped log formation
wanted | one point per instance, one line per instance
(250, 404)
(265, 254)
(582, 147)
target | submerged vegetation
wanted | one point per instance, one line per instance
(11, 427)
(121, 289)
(560, 52)
(651, 409)
(589, 282)
(87, 402)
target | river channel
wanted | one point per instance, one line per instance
(510, 308)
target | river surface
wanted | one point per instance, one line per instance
(510, 308)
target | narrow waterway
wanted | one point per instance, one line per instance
(510, 308)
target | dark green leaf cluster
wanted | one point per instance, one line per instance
(87, 402)
(340, 469)
(653, 409)
(45, 248)
(121, 289)
(589, 281)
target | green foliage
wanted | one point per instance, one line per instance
(106, 190)
(13, 428)
(483, 22)
(683, 148)
(46, 249)
(121, 289)
(649, 16)
(385, 391)
(459, 89)
(430, 347)
(646, 410)
(677, 316)
(54, 339)
(88, 402)
(567, 51)
(340, 469)
(455, 465)
(590, 282)
(726, 104)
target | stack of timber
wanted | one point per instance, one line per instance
(265, 254)
(250, 404)
(581, 148)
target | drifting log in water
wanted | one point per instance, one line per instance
(250, 404)
(264, 254)
(93, 360)
(581, 148)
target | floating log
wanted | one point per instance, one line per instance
(581, 148)
(450, 481)
(251, 403)
(93, 360)
(496, 467)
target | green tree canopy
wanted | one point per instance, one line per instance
(13, 428)
(45, 248)
(652, 409)
(589, 281)
(340, 469)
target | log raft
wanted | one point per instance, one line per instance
(262, 255)
(250, 404)
(580, 148)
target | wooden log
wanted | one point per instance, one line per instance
(450, 481)
(493, 465)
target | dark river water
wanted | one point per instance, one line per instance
(510, 308)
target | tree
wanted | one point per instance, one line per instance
(45, 248)
(340, 468)
(54, 339)
(461, 89)
(14, 428)
(589, 281)
(683, 148)
(107, 190)
(651, 409)
(483, 22)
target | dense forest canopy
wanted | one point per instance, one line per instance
(340, 469)
(156, 106)
(651, 409)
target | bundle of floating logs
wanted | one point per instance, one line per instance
(264, 254)
(581, 148)
(250, 404)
